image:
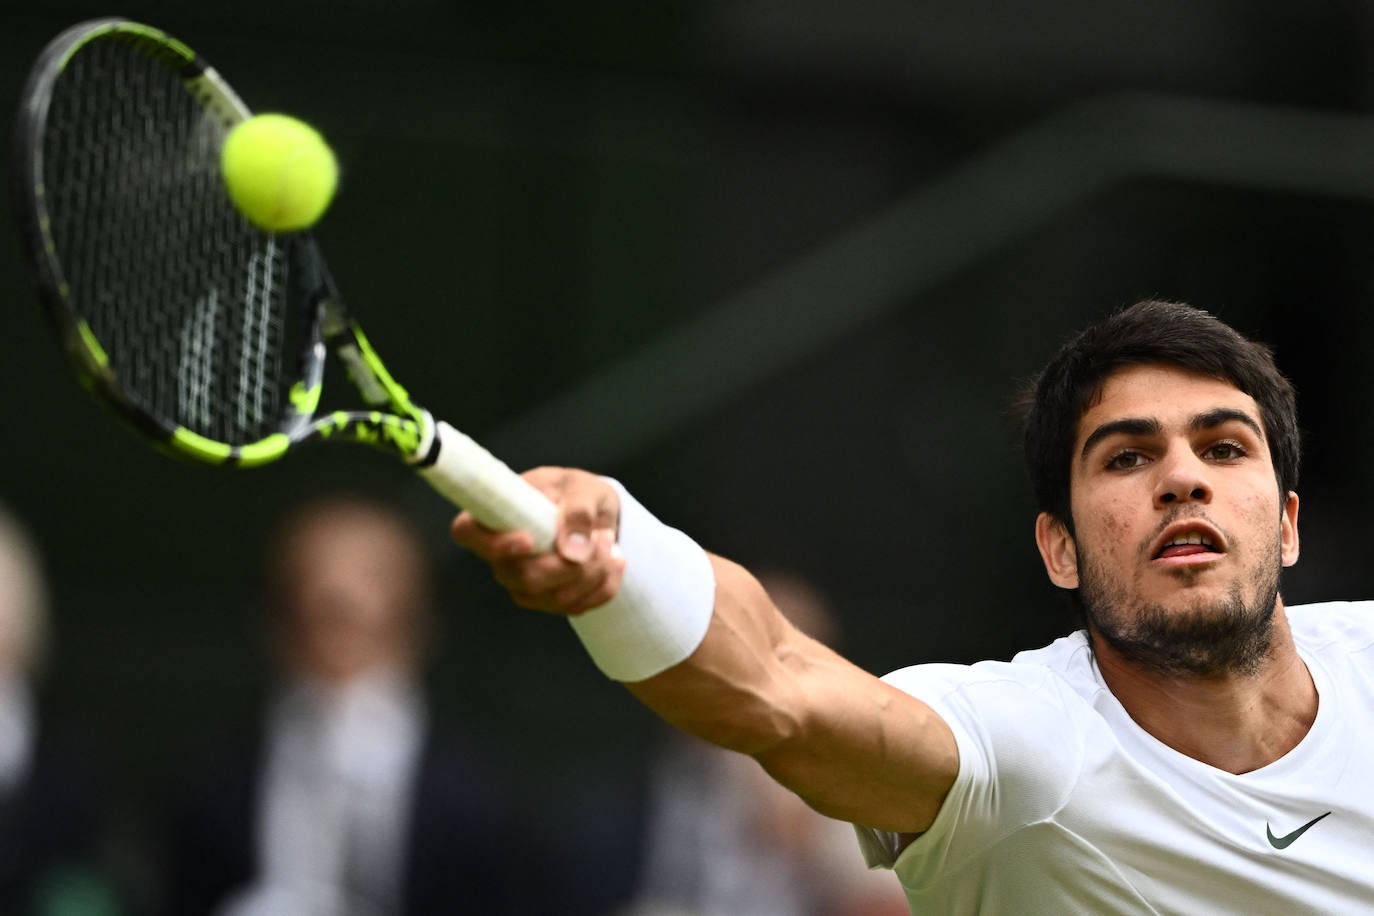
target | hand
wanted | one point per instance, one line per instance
(585, 568)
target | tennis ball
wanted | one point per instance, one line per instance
(279, 172)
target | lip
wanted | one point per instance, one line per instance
(1188, 526)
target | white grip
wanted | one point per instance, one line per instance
(474, 479)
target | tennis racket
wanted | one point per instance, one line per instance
(206, 334)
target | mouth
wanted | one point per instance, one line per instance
(1188, 543)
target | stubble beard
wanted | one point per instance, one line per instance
(1229, 636)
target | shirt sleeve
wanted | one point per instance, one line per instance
(1020, 731)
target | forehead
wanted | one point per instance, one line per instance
(335, 537)
(1169, 394)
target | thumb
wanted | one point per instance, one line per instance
(574, 545)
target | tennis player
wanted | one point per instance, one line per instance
(1197, 747)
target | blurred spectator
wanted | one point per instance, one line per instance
(724, 839)
(50, 821)
(348, 803)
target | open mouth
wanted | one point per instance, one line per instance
(1188, 544)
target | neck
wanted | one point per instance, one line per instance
(1234, 722)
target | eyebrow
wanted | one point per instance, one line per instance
(1149, 426)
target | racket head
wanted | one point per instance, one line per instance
(205, 333)
(197, 328)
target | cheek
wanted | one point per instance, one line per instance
(1110, 532)
(1115, 526)
(1109, 522)
(1260, 514)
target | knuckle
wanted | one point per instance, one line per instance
(516, 576)
(571, 596)
(549, 480)
(527, 601)
(461, 528)
(595, 590)
(579, 512)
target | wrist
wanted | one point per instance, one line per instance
(663, 607)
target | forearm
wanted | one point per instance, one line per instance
(698, 640)
(735, 689)
(851, 746)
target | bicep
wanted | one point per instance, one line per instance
(854, 747)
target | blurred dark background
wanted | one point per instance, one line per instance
(778, 266)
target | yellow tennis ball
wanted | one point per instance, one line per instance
(279, 172)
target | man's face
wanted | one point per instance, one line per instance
(351, 596)
(1179, 528)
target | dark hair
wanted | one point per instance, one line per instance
(1148, 332)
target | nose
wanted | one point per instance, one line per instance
(1183, 478)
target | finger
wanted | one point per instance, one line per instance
(535, 602)
(588, 504)
(604, 574)
(551, 574)
(558, 592)
(548, 582)
(579, 596)
(487, 543)
(533, 574)
(574, 545)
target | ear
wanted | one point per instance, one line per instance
(1057, 550)
(1288, 530)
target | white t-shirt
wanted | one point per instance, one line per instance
(1064, 805)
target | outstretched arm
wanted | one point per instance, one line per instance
(852, 746)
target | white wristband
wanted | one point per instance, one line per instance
(661, 612)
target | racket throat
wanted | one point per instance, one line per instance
(370, 388)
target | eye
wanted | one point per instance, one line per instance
(1125, 461)
(1225, 451)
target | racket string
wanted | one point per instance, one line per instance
(189, 302)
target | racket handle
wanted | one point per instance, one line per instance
(474, 479)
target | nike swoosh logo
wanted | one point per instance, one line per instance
(1283, 842)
